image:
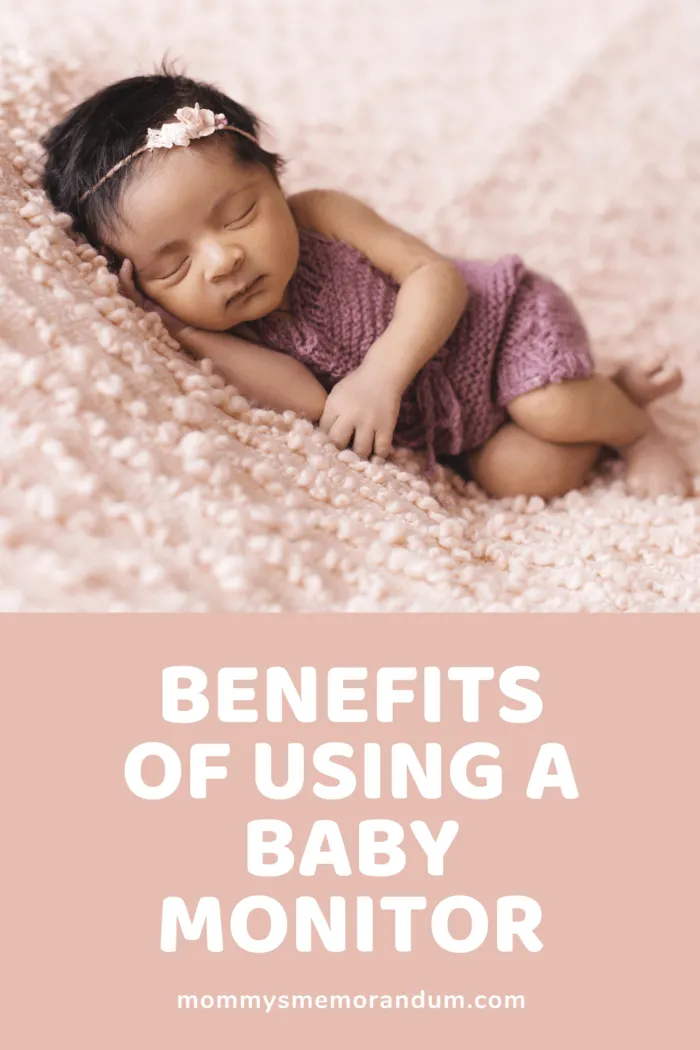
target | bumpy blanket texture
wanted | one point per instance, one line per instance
(132, 479)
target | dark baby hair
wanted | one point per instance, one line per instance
(114, 122)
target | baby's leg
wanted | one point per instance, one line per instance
(605, 412)
(654, 465)
(514, 462)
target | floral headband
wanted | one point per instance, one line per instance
(190, 124)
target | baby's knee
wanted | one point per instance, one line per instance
(552, 411)
(515, 463)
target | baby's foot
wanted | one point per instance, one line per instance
(655, 467)
(644, 382)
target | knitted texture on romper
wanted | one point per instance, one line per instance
(341, 304)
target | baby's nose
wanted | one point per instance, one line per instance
(221, 260)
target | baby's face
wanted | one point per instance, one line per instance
(200, 228)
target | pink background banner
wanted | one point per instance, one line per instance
(88, 864)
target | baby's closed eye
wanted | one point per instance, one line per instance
(241, 218)
(174, 270)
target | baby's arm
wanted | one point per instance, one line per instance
(267, 377)
(364, 406)
(432, 294)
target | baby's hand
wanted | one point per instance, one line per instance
(363, 405)
(126, 281)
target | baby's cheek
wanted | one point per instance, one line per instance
(181, 305)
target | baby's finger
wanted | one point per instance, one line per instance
(364, 439)
(126, 280)
(382, 443)
(328, 418)
(126, 272)
(341, 432)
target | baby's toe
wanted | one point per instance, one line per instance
(668, 378)
(654, 361)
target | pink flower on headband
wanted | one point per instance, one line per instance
(192, 123)
(199, 122)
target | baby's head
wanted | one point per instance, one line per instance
(200, 222)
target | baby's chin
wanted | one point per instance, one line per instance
(228, 324)
(227, 320)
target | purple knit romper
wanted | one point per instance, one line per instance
(519, 331)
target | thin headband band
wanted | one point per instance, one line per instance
(191, 123)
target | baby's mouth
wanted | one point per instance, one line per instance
(243, 291)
